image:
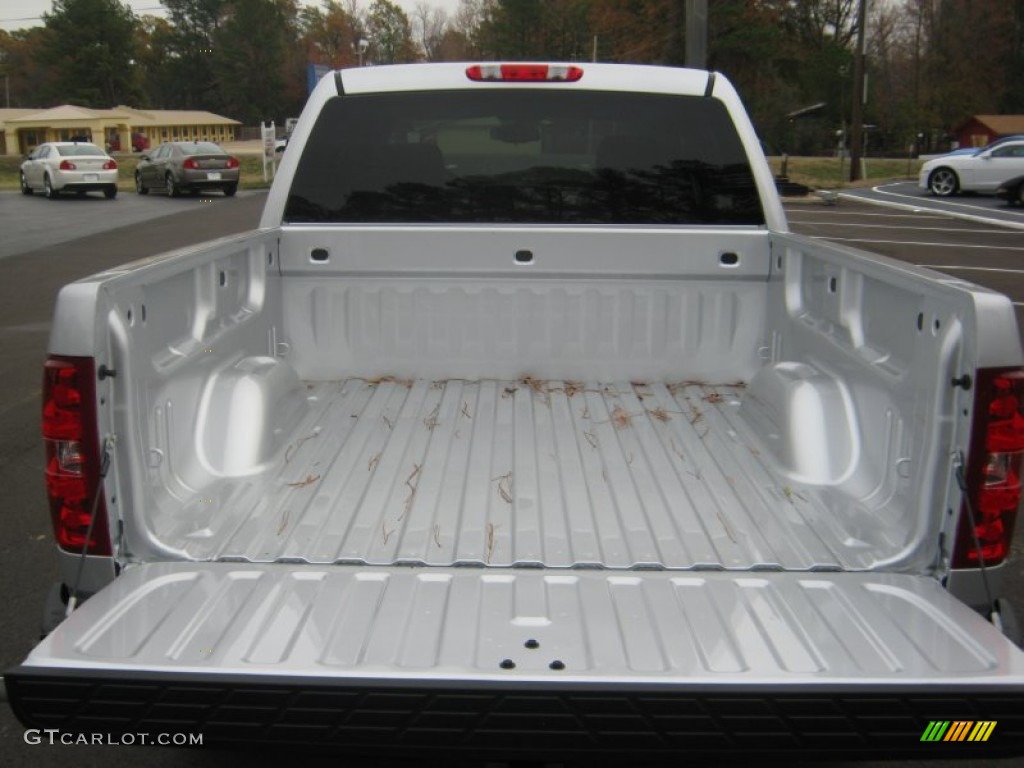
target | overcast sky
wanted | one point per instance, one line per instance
(15, 14)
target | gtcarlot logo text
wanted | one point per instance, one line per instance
(54, 736)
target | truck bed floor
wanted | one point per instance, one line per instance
(526, 473)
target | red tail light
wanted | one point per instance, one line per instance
(993, 469)
(67, 165)
(73, 454)
(231, 163)
(110, 165)
(520, 73)
(190, 163)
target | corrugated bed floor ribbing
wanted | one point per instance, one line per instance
(559, 474)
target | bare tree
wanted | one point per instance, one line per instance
(430, 26)
(818, 20)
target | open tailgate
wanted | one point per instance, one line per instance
(529, 663)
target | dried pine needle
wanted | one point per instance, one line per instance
(620, 418)
(284, 522)
(504, 486)
(491, 540)
(659, 413)
(431, 421)
(414, 475)
(294, 447)
(573, 387)
(407, 383)
(538, 386)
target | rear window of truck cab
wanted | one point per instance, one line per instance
(529, 156)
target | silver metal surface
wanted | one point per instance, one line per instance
(441, 623)
(668, 329)
(893, 337)
(527, 472)
(444, 417)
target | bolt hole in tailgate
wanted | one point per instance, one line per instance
(520, 662)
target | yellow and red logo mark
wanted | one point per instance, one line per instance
(958, 730)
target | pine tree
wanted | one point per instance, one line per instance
(90, 45)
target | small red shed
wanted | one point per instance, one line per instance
(979, 130)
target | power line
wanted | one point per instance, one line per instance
(40, 18)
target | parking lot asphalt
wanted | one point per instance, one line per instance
(31, 277)
(31, 223)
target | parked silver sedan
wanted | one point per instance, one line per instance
(183, 166)
(68, 166)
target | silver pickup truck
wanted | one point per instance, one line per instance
(523, 427)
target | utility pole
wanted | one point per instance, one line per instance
(7, 79)
(857, 113)
(697, 34)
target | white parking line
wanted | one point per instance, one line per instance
(930, 245)
(904, 228)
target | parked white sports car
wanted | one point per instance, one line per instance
(980, 172)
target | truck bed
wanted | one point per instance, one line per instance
(690, 416)
(529, 472)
